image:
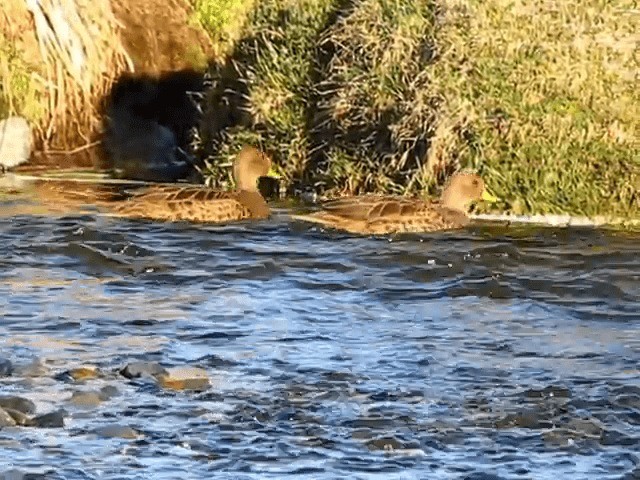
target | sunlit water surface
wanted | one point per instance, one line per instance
(482, 354)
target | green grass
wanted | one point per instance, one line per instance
(394, 95)
(223, 20)
(269, 81)
(547, 93)
(19, 95)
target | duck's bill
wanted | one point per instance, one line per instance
(273, 173)
(487, 197)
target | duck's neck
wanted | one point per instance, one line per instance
(255, 202)
(452, 202)
(246, 185)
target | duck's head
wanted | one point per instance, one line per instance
(249, 166)
(463, 189)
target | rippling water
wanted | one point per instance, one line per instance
(482, 354)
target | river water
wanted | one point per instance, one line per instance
(490, 353)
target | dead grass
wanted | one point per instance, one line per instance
(58, 65)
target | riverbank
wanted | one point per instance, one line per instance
(391, 96)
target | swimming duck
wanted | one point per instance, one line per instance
(377, 214)
(201, 204)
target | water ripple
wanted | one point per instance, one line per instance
(489, 353)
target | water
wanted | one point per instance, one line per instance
(482, 354)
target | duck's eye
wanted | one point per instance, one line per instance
(476, 182)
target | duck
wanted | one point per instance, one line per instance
(200, 204)
(386, 214)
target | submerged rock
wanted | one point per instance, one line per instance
(33, 369)
(15, 474)
(107, 392)
(6, 368)
(15, 142)
(117, 431)
(86, 399)
(91, 399)
(185, 378)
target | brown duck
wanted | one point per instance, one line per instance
(376, 214)
(200, 204)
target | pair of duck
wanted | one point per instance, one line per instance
(368, 214)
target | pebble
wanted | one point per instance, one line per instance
(20, 404)
(86, 399)
(138, 369)
(19, 417)
(88, 372)
(50, 420)
(117, 431)
(33, 369)
(185, 378)
(15, 142)
(6, 420)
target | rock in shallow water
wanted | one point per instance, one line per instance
(6, 420)
(19, 417)
(185, 378)
(86, 399)
(20, 404)
(117, 431)
(50, 420)
(138, 369)
(15, 142)
(87, 372)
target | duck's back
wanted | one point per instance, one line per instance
(189, 203)
(377, 214)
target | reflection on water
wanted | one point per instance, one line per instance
(486, 353)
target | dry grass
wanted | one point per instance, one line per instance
(59, 65)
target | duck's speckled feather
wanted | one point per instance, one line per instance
(193, 204)
(377, 215)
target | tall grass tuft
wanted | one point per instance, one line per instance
(263, 95)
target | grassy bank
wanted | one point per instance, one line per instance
(354, 96)
(392, 95)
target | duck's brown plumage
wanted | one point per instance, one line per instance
(193, 204)
(380, 214)
(201, 204)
